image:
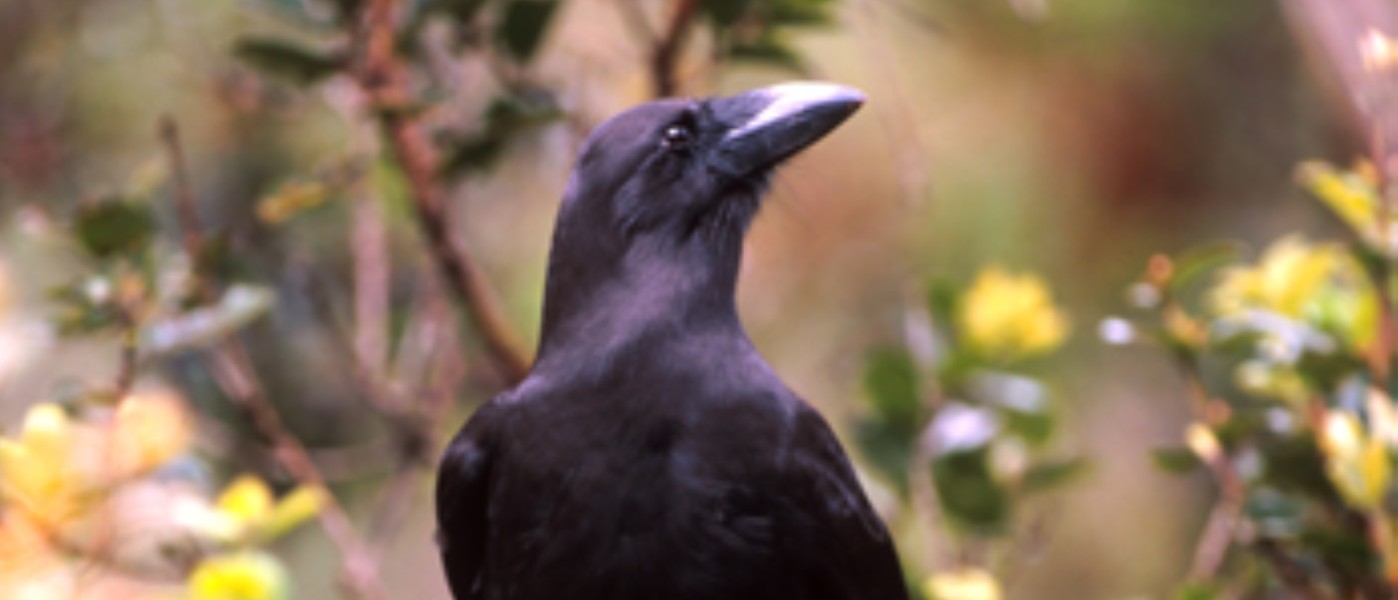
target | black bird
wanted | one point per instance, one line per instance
(651, 453)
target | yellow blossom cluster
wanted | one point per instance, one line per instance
(1005, 316)
(967, 583)
(1357, 454)
(78, 505)
(1320, 285)
(1356, 461)
(58, 465)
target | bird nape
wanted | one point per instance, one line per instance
(651, 453)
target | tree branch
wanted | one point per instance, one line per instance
(232, 369)
(665, 56)
(383, 79)
(1217, 536)
(372, 273)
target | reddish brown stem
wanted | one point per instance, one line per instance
(232, 368)
(666, 55)
(383, 80)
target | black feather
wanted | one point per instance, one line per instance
(651, 452)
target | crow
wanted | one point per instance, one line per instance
(651, 453)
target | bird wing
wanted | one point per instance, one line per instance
(462, 494)
(852, 554)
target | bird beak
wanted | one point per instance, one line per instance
(773, 123)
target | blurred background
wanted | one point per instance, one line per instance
(1069, 138)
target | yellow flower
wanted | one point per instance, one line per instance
(967, 583)
(1357, 464)
(1383, 417)
(1202, 442)
(1351, 195)
(246, 511)
(1006, 317)
(147, 431)
(1318, 284)
(290, 200)
(42, 473)
(239, 576)
(29, 566)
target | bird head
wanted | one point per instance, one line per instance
(662, 193)
(676, 168)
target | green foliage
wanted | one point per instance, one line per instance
(523, 26)
(1299, 424)
(892, 383)
(962, 423)
(115, 226)
(756, 31)
(291, 61)
(1053, 474)
(968, 492)
(1196, 591)
(1176, 460)
(506, 118)
(462, 11)
(1194, 264)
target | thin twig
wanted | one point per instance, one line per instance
(1387, 319)
(665, 57)
(232, 368)
(1297, 582)
(393, 504)
(1217, 536)
(185, 207)
(383, 80)
(941, 554)
(918, 325)
(129, 360)
(372, 272)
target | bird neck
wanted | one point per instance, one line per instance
(652, 297)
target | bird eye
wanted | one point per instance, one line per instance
(676, 137)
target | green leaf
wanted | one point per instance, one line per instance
(725, 13)
(892, 383)
(523, 26)
(520, 109)
(769, 52)
(114, 226)
(1196, 591)
(887, 450)
(347, 9)
(287, 60)
(218, 260)
(795, 13)
(1175, 460)
(968, 491)
(1194, 263)
(462, 11)
(1035, 428)
(507, 117)
(1294, 464)
(1351, 196)
(474, 154)
(1052, 474)
(1348, 550)
(1275, 514)
(942, 298)
(1021, 403)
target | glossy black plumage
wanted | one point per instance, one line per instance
(651, 453)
